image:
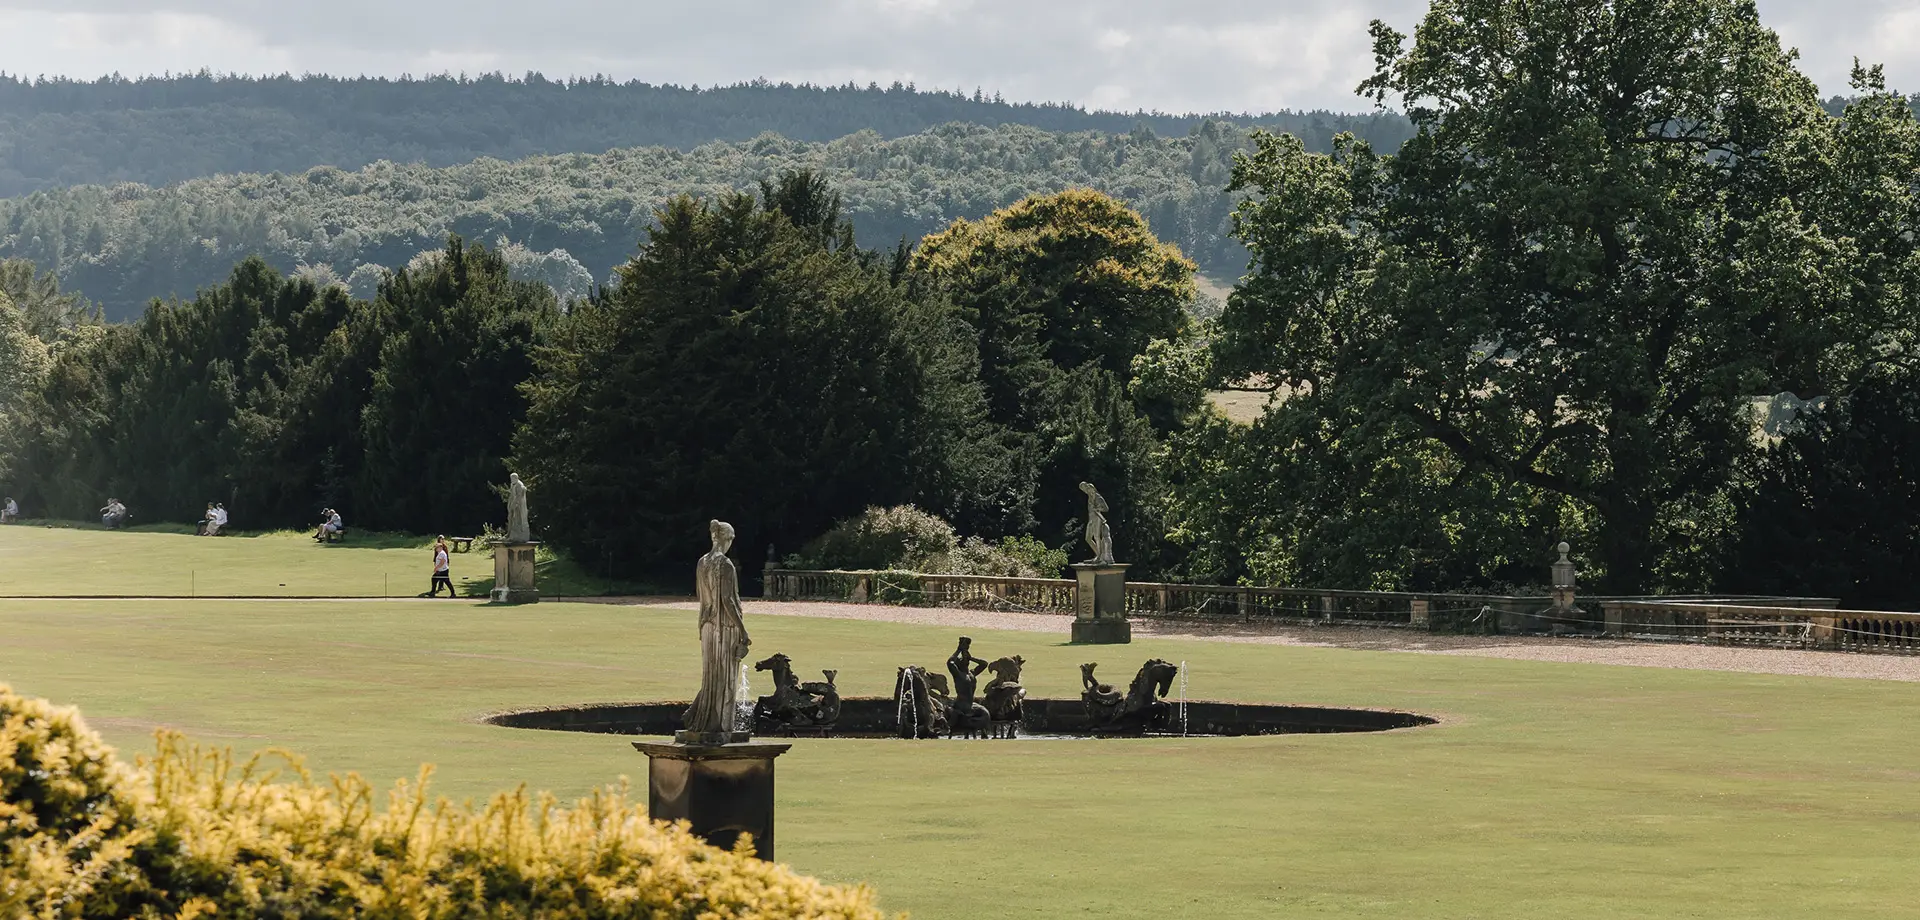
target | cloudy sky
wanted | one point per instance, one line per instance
(1190, 56)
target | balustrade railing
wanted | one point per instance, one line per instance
(1746, 624)
(1791, 622)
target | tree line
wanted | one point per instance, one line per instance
(165, 129)
(1669, 316)
(752, 361)
(569, 220)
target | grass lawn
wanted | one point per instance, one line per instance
(168, 560)
(1553, 790)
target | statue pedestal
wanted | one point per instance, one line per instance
(513, 573)
(1101, 605)
(722, 790)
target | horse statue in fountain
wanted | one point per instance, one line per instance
(1143, 705)
(812, 706)
(1003, 696)
(921, 711)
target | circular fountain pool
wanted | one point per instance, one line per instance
(878, 717)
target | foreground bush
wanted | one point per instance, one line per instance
(194, 834)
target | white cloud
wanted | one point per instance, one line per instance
(1198, 55)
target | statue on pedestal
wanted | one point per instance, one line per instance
(723, 639)
(517, 529)
(1099, 535)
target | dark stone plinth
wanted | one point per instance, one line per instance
(1109, 631)
(513, 574)
(1100, 599)
(711, 738)
(722, 790)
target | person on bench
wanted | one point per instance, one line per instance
(330, 528)
(114, 515)
(220, 519)
(10, 511)
(208, 523)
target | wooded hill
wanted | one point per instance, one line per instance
(571, 218)
(158, 130)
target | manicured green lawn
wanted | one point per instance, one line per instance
(1552, 790)
(171, 561)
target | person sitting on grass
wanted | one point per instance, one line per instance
(9, 512)
(442, 569)
(114, 515)
(207, 526)
(331, 525)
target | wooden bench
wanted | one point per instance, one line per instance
(461, 544)
(337, 536)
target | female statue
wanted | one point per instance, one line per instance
(723, 638)
(1099, 535)
(517, 529)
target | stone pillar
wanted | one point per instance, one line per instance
(722, 790)
(1418, 617)
(513, 573)
(1563, 578)
(1100, 605)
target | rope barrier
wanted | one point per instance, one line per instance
(1251, 610)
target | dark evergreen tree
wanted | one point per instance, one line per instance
(751, 365)
(445, 399)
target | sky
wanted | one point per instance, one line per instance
(1169, 55)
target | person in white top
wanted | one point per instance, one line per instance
(332, 524)
(442, 569)
(209, 522)
(9, 512)
(220, 515)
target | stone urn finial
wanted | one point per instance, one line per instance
(1563, 579)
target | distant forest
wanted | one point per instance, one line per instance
(569, 219)
(159, 130)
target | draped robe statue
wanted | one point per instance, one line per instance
(1099, 535)
(723, 638)
(517, 530)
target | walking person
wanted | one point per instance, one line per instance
(442, 569)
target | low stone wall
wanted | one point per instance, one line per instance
(875, 717)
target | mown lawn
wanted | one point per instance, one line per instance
(168, 560)
(1552, 790)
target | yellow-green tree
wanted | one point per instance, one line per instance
(1065, 291)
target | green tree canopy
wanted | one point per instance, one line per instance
(1604, 239)
(753, 365)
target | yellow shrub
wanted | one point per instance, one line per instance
(191, 833)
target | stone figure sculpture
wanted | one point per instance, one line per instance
(517, 529)
(793, 705)
(723, 640)
(1004, 694)
(1099, 535)
(964, 714)
(920, 713)
(1140, 708)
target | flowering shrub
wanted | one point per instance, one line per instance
(193, 833)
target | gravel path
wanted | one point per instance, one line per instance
(1580, 651)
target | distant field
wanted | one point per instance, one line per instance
(1551, 791)
(66, 560)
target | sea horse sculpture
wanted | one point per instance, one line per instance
(1140, 708)
(793, 705)
(1004, 695)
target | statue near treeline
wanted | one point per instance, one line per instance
(518, 530)
(1099, 535)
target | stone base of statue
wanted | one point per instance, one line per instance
(513, 573)
(722, 790)
(1101, 605)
